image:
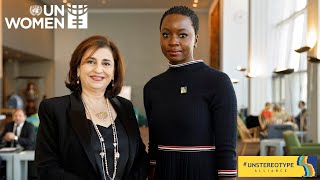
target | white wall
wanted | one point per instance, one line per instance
(33, 41)
(136, 34)
(235, 44)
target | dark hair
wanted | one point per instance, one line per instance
(96, 42)
(302, 102)
(185, 11)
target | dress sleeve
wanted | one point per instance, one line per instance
(148, 108)
(224, 115)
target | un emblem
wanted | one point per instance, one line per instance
(35, 10)
(77, 16)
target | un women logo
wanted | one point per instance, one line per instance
(35, 10)
(77, 16)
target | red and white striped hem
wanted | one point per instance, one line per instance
(186, 148)
(153, 162)
(227, 172)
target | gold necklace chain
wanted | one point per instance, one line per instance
(103, 153)
(100, 115)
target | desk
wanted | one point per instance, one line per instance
(20, 164)
(279, 144)
(8, 157)
(17, 164)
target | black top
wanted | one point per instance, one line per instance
(192, 105)
(108, 137)
(64, 148)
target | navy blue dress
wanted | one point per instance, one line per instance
(191, 110)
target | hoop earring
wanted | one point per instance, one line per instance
(112, 83)
(78, 80)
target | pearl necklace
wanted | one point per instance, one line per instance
(103, 153)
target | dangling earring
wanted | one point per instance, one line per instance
(112, 82)
(78, 80)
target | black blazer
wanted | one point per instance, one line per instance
(63, 148)
(26, 138)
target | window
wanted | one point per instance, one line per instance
(288, 90)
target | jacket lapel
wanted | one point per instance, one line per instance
(123, 114)
(23, 129)
(80, 125)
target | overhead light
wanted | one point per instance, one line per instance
(311, 41)
(302, 49)
(195, 1)
(313, 59)
(250, 75)
(64, 1)
(283, 71)
(239, 68)
(195, 5)
(234, 81)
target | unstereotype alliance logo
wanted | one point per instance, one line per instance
(54, 18)
(277, 166)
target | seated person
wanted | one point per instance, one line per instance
(279, 115)
(19, 133)
(266, 113)
(265, 119)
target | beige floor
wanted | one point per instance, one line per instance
(252, 150)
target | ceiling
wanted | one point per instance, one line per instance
(133, 4)
(11, 55)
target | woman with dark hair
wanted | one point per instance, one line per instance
(91, 133)
(191, 109)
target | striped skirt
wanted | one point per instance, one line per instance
(186, 163)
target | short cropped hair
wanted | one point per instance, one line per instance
(96, 42)
(185, 11)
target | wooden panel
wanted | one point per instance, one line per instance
(215, 37)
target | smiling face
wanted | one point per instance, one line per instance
(96, 70)
(177, 38)
(19, 116)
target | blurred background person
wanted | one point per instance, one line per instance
(19, 133)
(301, 118)
(279, 115)
(266, 113)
